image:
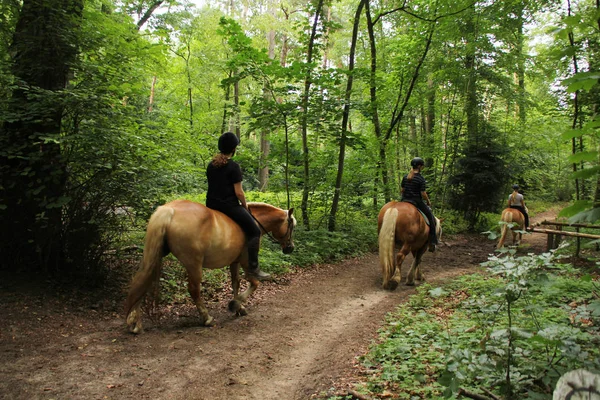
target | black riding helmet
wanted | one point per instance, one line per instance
(228, 142)
(515, 187)
(416, 162)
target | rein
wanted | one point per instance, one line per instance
(289, 228)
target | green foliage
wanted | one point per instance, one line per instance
(530, 319)
(480, 179)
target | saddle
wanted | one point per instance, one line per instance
(421, 212)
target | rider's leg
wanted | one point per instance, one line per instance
(243, 218)
(432, 225)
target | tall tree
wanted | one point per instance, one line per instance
(345, 118)
(310, 53)
(44, 48)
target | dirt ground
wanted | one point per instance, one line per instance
(300, 339)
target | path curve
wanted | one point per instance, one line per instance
(298, 340)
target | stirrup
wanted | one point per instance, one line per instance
(258, 274)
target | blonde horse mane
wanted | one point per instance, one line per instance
(387, 243)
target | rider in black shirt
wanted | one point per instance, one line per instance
(414, 190)
(225, 194)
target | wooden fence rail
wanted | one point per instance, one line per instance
(555, 235)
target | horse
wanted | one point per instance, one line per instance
(202, 238)
(401, 223)
(515, 220)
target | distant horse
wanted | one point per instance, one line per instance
(401, 223)
(516, 220)
(202, 238)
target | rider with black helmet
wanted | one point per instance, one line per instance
(225, 194)
(414, 188)
(517, 201)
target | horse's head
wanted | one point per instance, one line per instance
(278, 224)
(286, 240)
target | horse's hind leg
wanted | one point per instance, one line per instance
(397, 277)
(234, 305)
(195, 289)
(134, 319)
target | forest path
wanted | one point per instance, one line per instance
(299, 339)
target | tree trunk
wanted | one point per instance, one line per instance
(429, 140)
(304, 121)
(345, 118)
(265, 148)
(44, 45)
(471, 109)
(152, 88)
(381, 165)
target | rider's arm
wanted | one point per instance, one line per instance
(426, 198)
(239, 192)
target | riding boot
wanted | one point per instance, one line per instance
(433, 242)
(253, 268)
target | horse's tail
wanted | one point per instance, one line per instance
(150, 267)
(507, 219)
(387, 244)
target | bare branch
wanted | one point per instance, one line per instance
(405, 10)
(475, 396)
(148, 13)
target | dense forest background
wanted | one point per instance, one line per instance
(109, 108)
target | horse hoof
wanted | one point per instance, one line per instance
(234, 306)
(391, 285)
(410, 284)
(136, 329)
(241, 312)
(210, 321)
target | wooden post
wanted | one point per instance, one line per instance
(558, 238)
(549, 241)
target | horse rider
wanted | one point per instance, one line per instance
(414, 191)
(225, 194)
(517, 201)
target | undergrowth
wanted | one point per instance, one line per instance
(510, 333)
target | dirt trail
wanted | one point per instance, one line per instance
(297, 341)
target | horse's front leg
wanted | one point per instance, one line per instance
(234, 305)
(237, 304)
(195, 289)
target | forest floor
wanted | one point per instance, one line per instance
(300, 339)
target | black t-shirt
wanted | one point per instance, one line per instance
(221, 192)
(414, 187)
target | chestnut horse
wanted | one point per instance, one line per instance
(202, 238)
(514, 220)
(401, 223)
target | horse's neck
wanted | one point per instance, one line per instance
(266, 214)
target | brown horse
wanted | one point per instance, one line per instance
(401, 223)
(514, 220)
(202, 238)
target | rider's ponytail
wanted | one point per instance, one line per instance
(411, 174)
(219, 160)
